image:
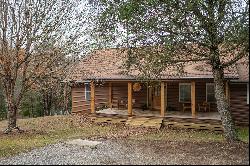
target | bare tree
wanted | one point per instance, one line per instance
(54, 92)
(34, 35)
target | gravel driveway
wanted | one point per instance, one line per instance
(122, 151)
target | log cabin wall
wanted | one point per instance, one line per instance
(200, 95)
(79, 104)
(238, 103)
(173, 96)
(140, 97)
(101, 95)
(120, 91)
(238, 98)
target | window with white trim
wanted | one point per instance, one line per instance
(87, 91)
(210, 95)
(247, 93)
(184, 92)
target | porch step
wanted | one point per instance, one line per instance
(108, 119)
(145, 122)
(192, 120)
(199, 126)
(157, 122)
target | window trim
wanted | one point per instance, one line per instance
(180, 89)
(85, 90)
(206, 90)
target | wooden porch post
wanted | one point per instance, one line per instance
(166, 96)
(150, 98)
(162, 99)
(130, 99)
(193, 103)
(110, 95)
(147, 96)
(92, 97)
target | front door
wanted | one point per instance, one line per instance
(157, 98)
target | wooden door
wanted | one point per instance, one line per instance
(157, 98)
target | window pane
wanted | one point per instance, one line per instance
(210, 98)
(87, 87)
(210, 93)
(185, 93)
(87, 92)
(87, 97)
(181, 93)
(210, 88)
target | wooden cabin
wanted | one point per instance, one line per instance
(98, 83)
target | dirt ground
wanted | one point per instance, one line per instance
(43, 142)
(121, 151)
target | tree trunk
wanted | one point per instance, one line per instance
(47, 102)
(12, 106)
(12, 118)
(223, 105)
(32, 107)
(44, 104)
(49, 99)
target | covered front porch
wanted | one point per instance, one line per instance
(181, 99)
(184, 99)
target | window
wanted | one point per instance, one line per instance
(184, 92)
(210, 97)
(87, 92)
(247, 93)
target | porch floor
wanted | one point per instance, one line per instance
(209, 121)
(177, 114)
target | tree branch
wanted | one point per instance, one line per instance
(235, 59)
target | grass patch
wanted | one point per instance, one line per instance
(43, 131)
(10, 146)
(243, 134)
(182, 135)
(48, 130)
(13, 144)
(191, 135)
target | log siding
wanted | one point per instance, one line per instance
(237, 98)
(238, 103)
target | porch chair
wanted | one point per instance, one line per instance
(204, 105)
(123, 103)
(115, 102)
(186, 105)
